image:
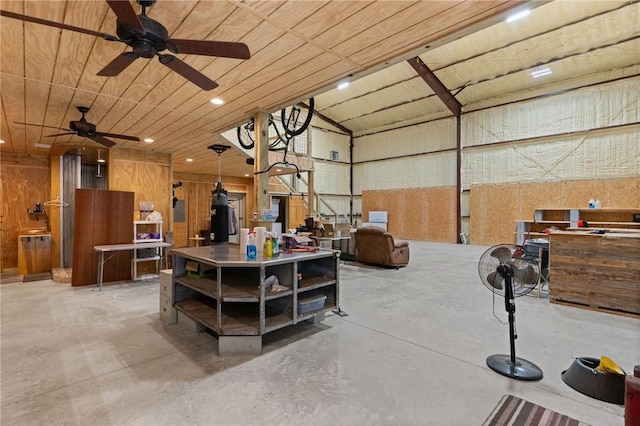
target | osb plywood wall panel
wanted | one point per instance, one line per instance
(495, 208)
(25, 181)
(196, 193)
(426, 214)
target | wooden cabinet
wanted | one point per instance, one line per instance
(599, 272)
(219, 288)
(100, 218)
(567, 219)
(34, 254)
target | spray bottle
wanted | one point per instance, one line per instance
(251, 246)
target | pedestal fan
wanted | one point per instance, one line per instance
(510, 271)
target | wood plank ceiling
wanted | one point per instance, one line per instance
(298, 49)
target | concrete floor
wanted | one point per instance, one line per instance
(411, 351)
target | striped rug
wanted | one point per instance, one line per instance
(513, 411)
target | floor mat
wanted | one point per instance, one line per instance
(513, 411)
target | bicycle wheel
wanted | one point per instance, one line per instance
(291, 121)
(246, 135)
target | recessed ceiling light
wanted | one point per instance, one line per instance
(343, 85)
(217, 101)
(1, 141)
(539, 72)
(189, 160)
(246, 175)
(42, 145)
(518, 15)
(148, 140)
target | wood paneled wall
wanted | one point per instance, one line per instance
(495, 208)
(25, 181)
(196, 193)
(147, 174)
(426, 214)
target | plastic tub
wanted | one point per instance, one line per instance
(583, 375)
(312, 303)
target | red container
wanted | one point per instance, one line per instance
(632, 398)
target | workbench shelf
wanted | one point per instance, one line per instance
(562, 219)
(218, 288)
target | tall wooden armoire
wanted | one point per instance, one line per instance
(101, 217)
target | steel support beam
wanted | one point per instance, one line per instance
(456, 108)
(436, 85)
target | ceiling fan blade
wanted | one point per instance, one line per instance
(495, 279)
(56, 24)
(118, 65)
(226, 49)
(501, 253)
(126, 15)
(115, 135)
(185, 70)
(61, 134)
(102, 140)
(41, 125)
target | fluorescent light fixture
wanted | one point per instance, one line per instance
(518, 15)
(101, 160)
(539, 72)
(42, 145)
(343, 85)
(247, 175)
(148, 140)
(217, 101)
(278, 170)
(189, 160)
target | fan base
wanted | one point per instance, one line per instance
(522, 370)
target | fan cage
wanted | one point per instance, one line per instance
(519, 260)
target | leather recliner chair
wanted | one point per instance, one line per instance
(376, 246)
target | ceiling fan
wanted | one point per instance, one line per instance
(85, 129)
(148, 38)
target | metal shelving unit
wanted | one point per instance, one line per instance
(233, 300)
(145, 231)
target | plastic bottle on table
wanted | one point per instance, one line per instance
(251, 246)
(275, 246)
(268, 247)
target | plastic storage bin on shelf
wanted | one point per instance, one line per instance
(311, 303)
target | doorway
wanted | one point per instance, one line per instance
(280, 204)
(236, 202)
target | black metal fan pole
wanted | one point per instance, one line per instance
(510, 365)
